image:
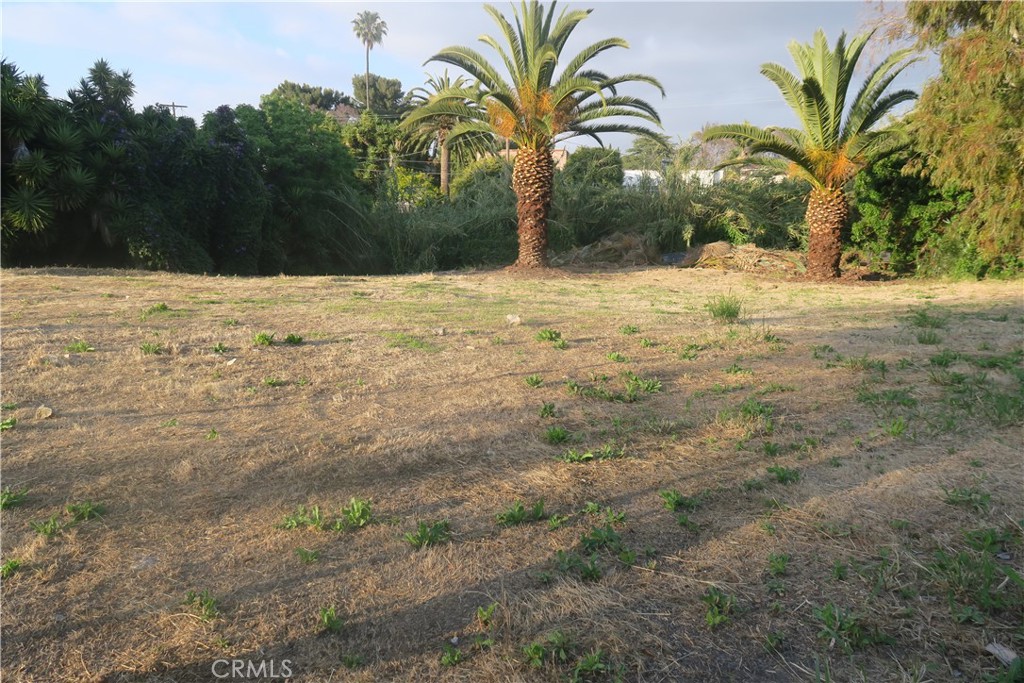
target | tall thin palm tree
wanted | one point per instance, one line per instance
(534, 108)
(370, 29)
(825, 151)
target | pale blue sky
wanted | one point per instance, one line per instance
(206, 54)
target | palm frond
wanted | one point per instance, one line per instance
(846, 72)
(867, 97)
(591, 51)
(885, 106)
(634, 78)
(787, 83)
(875, 144)
(594, 131)
(816, 112)
(610, 112)
(760, 141)
(473, 63)
(463, 128)
(528, 104)
(565, 25)
(453, 108)
(621, 101)
(794, 136)
(518, 63)
(569, 87)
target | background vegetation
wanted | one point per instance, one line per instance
(296, 186)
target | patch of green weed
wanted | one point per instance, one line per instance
(430, 534)
(673, 500)
(548, 335)
(329, 620)
(518, 513)
(203, 603)
(724, 308)
(400, 340)
(307, 556)
(10, 498)
(79, 347)
(784, 475)
(720, 606)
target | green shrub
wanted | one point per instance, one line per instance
(598, 165)
(902, 217)
(473, 181)
(411, 188)
(679, 213)
(478, 228)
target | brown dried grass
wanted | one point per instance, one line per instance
(454, 433)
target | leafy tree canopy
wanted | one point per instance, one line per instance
(387, 99)
(322, 98)
(310, 178)
(902, 218)
(374, 142)
(970, 120)
(597, 165)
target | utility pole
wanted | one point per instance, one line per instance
(173, 107)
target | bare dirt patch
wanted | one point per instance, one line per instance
(845, 461)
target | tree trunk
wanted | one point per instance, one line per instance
(827, 211)
(442, 143)
(367, 102)
(532, 179)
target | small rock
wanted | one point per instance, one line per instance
(439, 331)
(42, 412)
(513, 320)
(1003, 653)
(455, 640)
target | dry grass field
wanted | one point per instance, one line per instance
(827, 487)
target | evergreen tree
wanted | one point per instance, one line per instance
(322, 98)
(969, 122)
(387, 99)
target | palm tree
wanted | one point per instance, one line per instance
(533, 108)
(826, 152)
(370, 29)
(434, 131)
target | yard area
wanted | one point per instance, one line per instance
(346, 474)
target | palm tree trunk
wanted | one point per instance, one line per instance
(532, 179)
(442, 143)
(367, 101)
(827, 211)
